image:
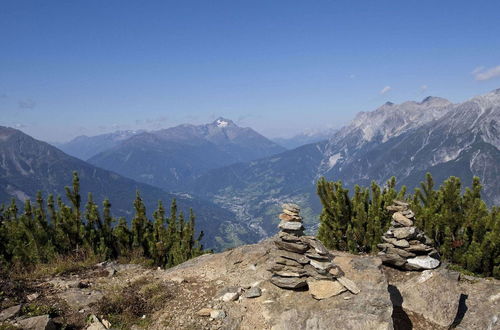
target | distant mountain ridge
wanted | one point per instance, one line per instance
(304, 138)
(28, 165)
(171, 157)
(404, 141)
(85, 147)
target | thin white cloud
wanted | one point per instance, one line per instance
(486, 74)
(385, 90)
(423, 88)
(478, 69)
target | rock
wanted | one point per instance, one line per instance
(335, 271)
(401, 252)
(290, 273)
(291, 207)
(348, 284)
(315, 244)
(230, 296)
(313, 255)
(392, 259)
(400, 218)
(177, 279)
(292, 213)
(395, 208)
(384, 246)
(321, 289)
(106, 323)
(10, 312)
(290, 225)
(253, 292)
(424, 262)
(204, 312)
(217, 314)
(95, 324)
(292, 247)
(409, 214)
(42, 322)
(293, 256)
(404, 232)
(32, 296)
(288, 282)
(419, 248)
(401, 203)
(288, 217)
(289, 237)
(402, 243)
(287, 262)
(435, 298)
(321, 265)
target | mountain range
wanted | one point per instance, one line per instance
(402, 140)
(173, 157)
(28, 165)
(85, 147)
(235, 178)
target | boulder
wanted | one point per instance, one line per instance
(432, 296)
(423, 262)
(42, 322)
(322, 289)
(10, 312)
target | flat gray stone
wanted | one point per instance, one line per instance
(291, 225)
(288, 282)
(424, 262)
(10, 312)
(404, 232)
(292, 247)
(253, 292)
(42, 322)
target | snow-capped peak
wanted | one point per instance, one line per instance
(222, 123)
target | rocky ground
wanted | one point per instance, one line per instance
(231, 290)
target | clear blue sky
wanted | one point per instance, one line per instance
(86, 67)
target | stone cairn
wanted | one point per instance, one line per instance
(303, 261)
(406, 246)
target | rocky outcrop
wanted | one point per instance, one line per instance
(405, 246)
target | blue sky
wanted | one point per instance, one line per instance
(86, 67)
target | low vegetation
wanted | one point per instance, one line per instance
(51, 236)
(465, 231)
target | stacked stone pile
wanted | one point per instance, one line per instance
(303, 261)
(405, 246)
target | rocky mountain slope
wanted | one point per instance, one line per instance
(28, 165)
(85, 147)
(232, 290)
(172, 157)
(404, 140)
(304, 138)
